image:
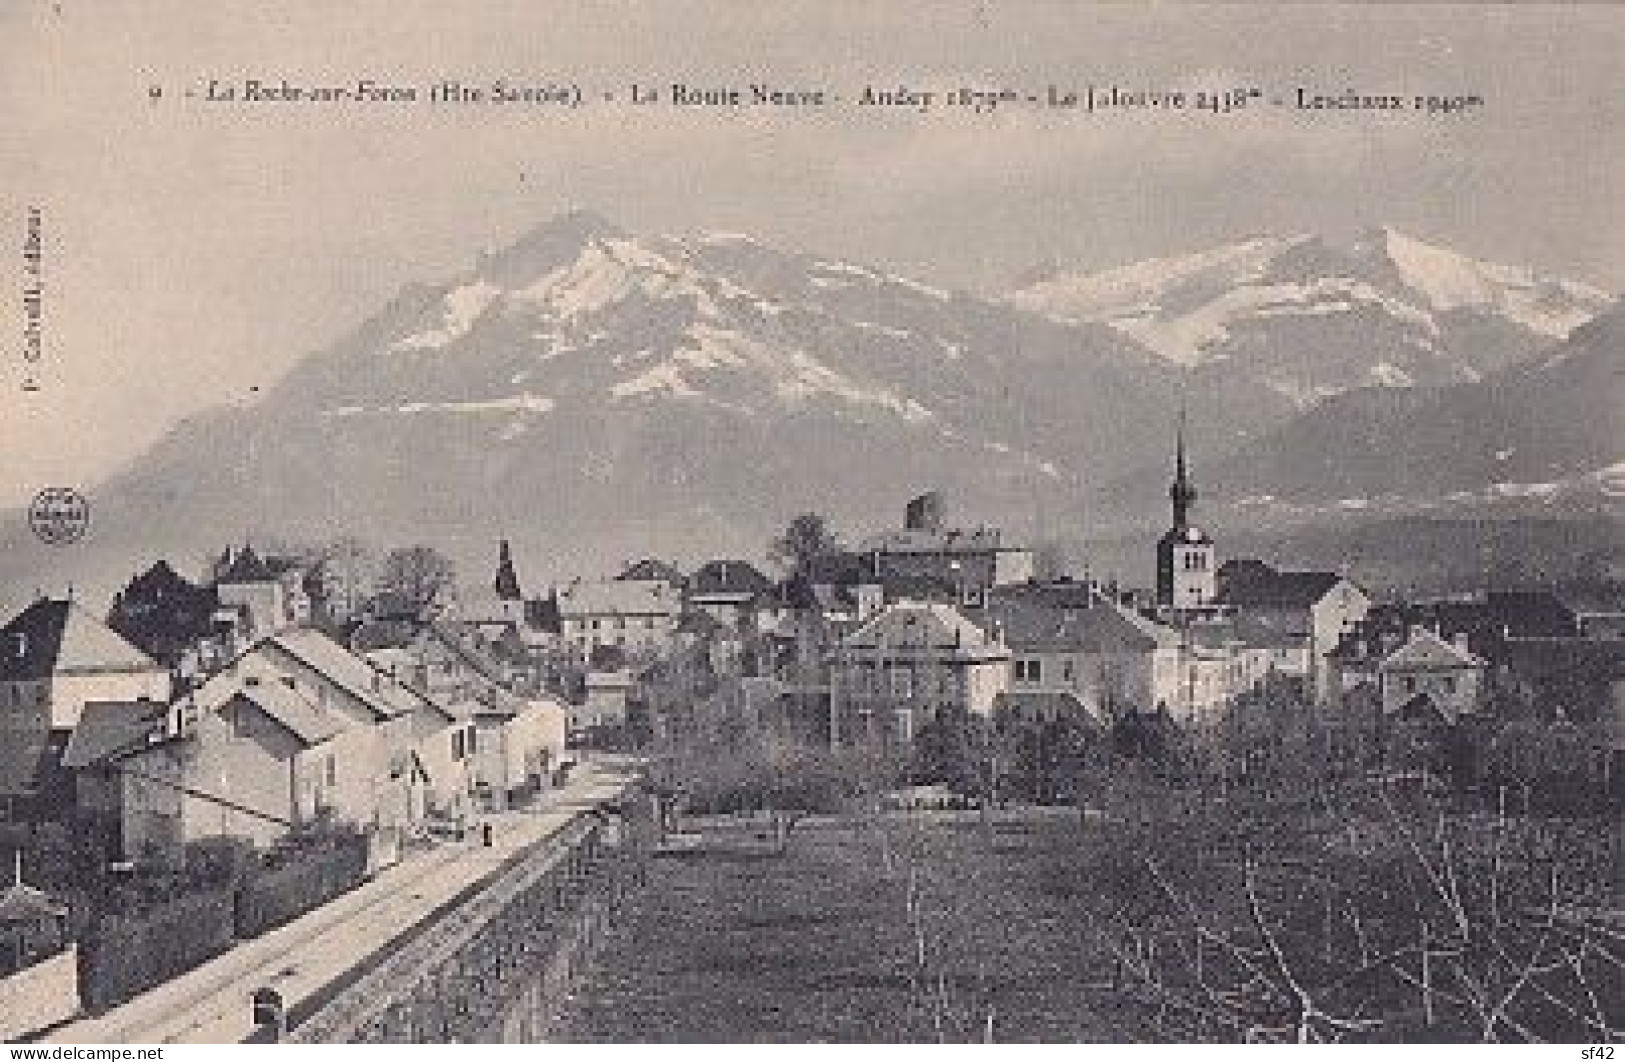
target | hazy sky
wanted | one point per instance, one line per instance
(194, 252)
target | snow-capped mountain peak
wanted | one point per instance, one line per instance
(1448, 280)
(1312, 317)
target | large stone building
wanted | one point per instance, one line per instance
(963, 562)
(637, 617)
(906, 665)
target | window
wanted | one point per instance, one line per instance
(1449, 684)
(1068, 671)
(1029, 671)
(332, 771)
(902, 682)
(1410, 684)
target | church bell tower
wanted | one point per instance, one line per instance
(1187, 568)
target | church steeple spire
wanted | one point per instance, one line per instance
(1182, 492)
(507, 581)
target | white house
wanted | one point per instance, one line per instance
(911, 661)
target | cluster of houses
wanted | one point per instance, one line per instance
(230, 708)
(873, 642)
(197, 712)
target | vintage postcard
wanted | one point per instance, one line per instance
(678, 521)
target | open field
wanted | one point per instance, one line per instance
(936, 926)
(916, 929)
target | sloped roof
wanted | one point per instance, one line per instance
(346, 670)
(1100, 627)
(52, 636)
(916, 627)
(308, 722)
(1254, 584)
(619, 598)
(727, 578)
(1573, 659)
(651, 570)
(477, 660)
(1425, 649)
(1265, 629)
(108, 729)
(1057, 593)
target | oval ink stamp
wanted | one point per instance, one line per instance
(59, 516)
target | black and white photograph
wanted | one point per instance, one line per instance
(631, 522)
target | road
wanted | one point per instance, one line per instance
(211, 1004)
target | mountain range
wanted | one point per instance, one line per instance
(595, 395)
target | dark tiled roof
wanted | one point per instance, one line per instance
(1254, 584)
(30, 643)
(1264, 629)
(108, 729)
(51, 636)
(652, 570)
(1584, 659)
(1039, 627)
(727, 577)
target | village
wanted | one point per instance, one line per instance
(285, 728)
